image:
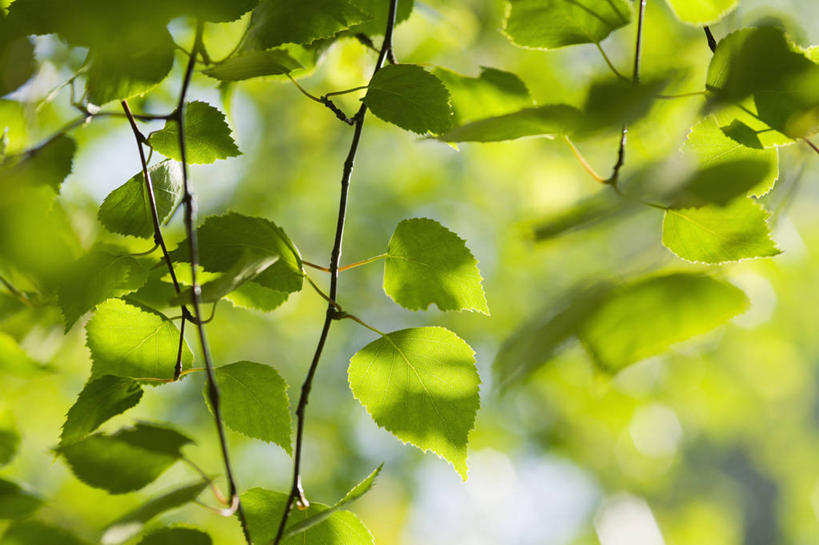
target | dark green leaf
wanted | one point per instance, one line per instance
(9, 443)
(246, 268)
(37, 533)
(612, 103)
(99, 400)
(14, 359)
(377, 15)
(723, 182)
(48, 165)
(176, 536)
(277, 22)
(16, 503)
(547, 121)
(207, 136)
(253, 64)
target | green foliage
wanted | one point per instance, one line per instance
(47, 165)
(426, 264)
(16, 503)
(421, 385)
(253, 64)
(14, 360)
(724, 181)
(9, 442)
(32, 532)
(206, 131)
(173, 536)
(255, 402)
(493, 92)
(99, 400)
(17, 63)
(548, 121)
(702, 12)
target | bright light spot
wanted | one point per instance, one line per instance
(655, 430)
(762, 296)
(627, 520)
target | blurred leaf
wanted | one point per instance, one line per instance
(127, 209)
(48, 164)
(611, 103)
(16, 503)
(493, 92)
(100, 400)
(600, 206)
(550, 24)
(733, 120)
(715, 235)
(17, 62)
(127, 460)
(252, 295)
(9, 442)
(646, 317)
(219, 11)
(133, 341)
(722, 182)
(176, 536)
(125, 527)
(427, 263)
(377, 15)
(701, 12)
(253, 64)
(207, 136)
(264, 509)
(14, 360)
(245, 269)
(431, 399)
(410, 97)
(102, 273)
(548, 121)
(255, 402)
(33, 532)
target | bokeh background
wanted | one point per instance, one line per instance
(714, 443)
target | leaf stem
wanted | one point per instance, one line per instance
(296, 491)
(362, 262)
(712, 42)
(582, 160)
(313, 265)
(609, 63)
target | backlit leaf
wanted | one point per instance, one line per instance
(253, 64)
(207, 136)
(32, 532)
(377, 15)
(493, 92)
(16, 503)
(100, 400)
(701, 12)
(547, 121)
(48, 165)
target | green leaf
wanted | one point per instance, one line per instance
(127, 209)
(421, 385)
(252, 295)
(715, 235)
(125, 527)
(739, 121)
(207, 136)
(493, 92)
(253, 64)
(32, 532)
(610, 103)
(48, 165)
(276, 22)
(255, 402)
(646, 317)
(547, 121)
(9, 443)
(17, 62)
(377, 12)
(14, 360)
(708, 145)
(16, 503)
(550, 24)
(427, 263)
(102, 273)
(723, 181)
(217, 11)
(176, 536)
(126, 460)
(410, 97)
(245, 269)
(356, 492)
(133, 341)
(701, 12)
(264, 509)
(585, 213)
(99, 400)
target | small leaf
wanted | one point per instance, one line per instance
(255, 402)
(16, 503)
(14, 360)
(32, 532)
(176, 536)
(722, 182)
(550, 24)
(493, 92)
(264, 509)
(427, 263)
(17, 62)
(127, 209)
(421, 385)
(48, 165)
(253, 64)
(133, 341)
(127, 460)
(131, 523)
(546, 121)
(276, 22)
(702, 12)
(99, 401)
(646, 317)
(207, 136)
(715, 235)
(410, 97)
(102, 273)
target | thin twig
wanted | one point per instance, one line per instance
(608, 62)
(712, 42)
(812, 145)
(582, 160)
(296, 491)
(313, 265)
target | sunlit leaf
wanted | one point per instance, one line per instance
(16, 503)
(48, 164)
(493, 92)
(14, 360)
(100, 400)
(176, 536)
(253, 64)
(701, 12)
(546, 121)
(207, 136)
(724, 181)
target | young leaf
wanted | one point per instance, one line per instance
(127, 460)
(16, 503)
(646, 317)
(715, 235)
(493, 92)
(127, 526)
(102, 273)
(276, 22)
(99, 400)
(701, 12)
(32, 532)
(253, 64)
(127, 209)
(410, 97)
(133, 341)
(207, 136)
(264, 508)
(421, 385)
(550, 24)
(547, 121)
(176, 536)
(47, 165)
(255, 402)
(427, 263)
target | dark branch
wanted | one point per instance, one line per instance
(712, 42)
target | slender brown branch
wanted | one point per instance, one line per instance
(609, 63)
(314, 266)
(712, 42)
(813, 146)
(296, 491)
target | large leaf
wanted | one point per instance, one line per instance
(32, 532)
(429, 264)
(127, 209)
(133, 341)
(99, 400)
(264, 509)
(16, 503)
(701, 12)
(547, 121)
(493, 92)
(421, 385)
(550, 24)
(255, 402)
(410, 97)
(126, 460)
(713, 234)
(176, 536)
(207, 136)
(646, 317)
(253, 64)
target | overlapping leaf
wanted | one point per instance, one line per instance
(176, 536)
(253, 64)
(100, 400)
(493, 92)
(32, 532)
(15, 502)
(207, 136)
(702, 12)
